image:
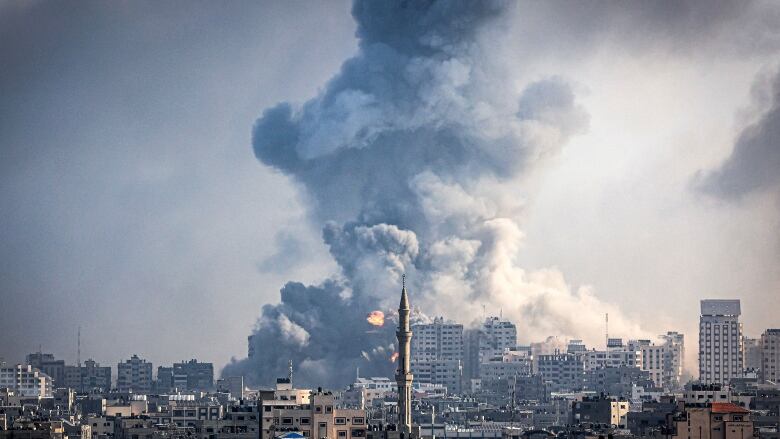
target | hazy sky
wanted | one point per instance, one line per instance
(133, 206)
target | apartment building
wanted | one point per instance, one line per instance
(134, 375)
(720, 341)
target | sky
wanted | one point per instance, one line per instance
(140, 203)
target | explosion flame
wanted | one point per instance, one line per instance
(376, 318)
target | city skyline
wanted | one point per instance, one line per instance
(168, 171)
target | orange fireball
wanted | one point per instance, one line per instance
(376, 318)
(394, 357)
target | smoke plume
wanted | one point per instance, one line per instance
(417, 158)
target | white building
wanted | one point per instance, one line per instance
(720, 341)
(26, 381)
(652, 359)
(134, 375)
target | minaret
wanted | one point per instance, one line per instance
(403, 375)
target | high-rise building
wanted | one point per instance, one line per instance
(496, 336)
(90, 376)
(437, 353)
(487, 342)
(403, 376)
(134, 375)
(770, 355)
(720, 341)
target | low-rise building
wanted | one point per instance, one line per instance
(318, 419)
(600, 410)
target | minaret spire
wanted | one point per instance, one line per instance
(403, 375)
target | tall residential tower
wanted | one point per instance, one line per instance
(720, 341)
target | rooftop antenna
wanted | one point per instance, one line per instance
(78, 348)
(606, 330)
(289, 374)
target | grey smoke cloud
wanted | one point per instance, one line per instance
(754, 163)
(416, 155)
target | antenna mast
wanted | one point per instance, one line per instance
(78, 348)
(606, 331)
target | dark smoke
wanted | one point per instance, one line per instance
(414, 156)
(754, 163)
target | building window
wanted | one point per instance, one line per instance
(342, 433)
(357, 421)
(341, 421)
(305, 421)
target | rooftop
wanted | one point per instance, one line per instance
(727, 407)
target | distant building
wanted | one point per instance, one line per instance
(496, 336)
(506, 365)
(770, 355)
(89, 377)
(751, 354)
(200, 376)
(185, 376)
(437, 353)
(26, 381)
(652, 359)
(489, 340)
(614, 357)
(616, 381)
(674, 359)
(720, 341)
(233, 385)
(561, 372)
(576, 347)
(600, 410)
(134, 375)
(49, 365)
